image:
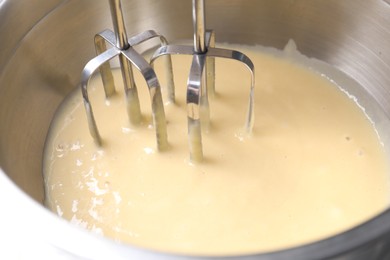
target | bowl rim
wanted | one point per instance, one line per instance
(79, 243)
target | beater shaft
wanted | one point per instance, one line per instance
(199, 21)
(133, 105)
(119, 25)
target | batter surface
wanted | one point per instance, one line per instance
(313, 166)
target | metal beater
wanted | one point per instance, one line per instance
(122, 47)
(201, 80)
(200, 85)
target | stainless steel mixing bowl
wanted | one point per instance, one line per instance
(44, 45)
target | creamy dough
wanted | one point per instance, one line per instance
(313, 166)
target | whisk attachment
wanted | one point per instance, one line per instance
(122, 47)
(201, 84)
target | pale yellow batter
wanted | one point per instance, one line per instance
(313, 166)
